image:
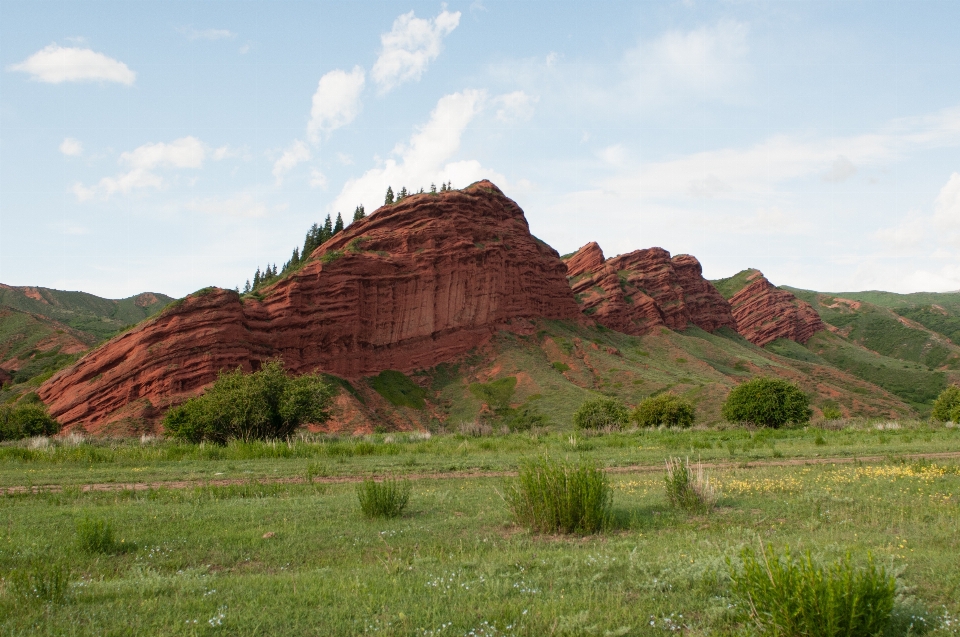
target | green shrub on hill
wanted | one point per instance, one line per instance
(397, 388)
(947, 406)
(601, 413)
(25, 420)
(767, 402)
(266, 404)
(665, 410)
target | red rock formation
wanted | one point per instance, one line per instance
(586, 259)
(635, 292)
(414, 284)
(765, 313)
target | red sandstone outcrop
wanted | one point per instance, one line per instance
(765, 313)
(414, 284)
(634, 292)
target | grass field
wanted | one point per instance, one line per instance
(269, 539)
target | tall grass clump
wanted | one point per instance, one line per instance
(42, 581)
(767, 402)
(664, 410)
(947, 406)
(550, 496)
(801, 598)
(385, 499)
(687, 488)
(601, 413)
(96, 536)
(266, 404)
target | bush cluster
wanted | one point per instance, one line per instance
(385, 499)
(794, 597)
(601, 413)
(947, 406)
(551, 496)
(664, 410)
(266, 404)
(767, 402)
(25, 420)
(689, 489)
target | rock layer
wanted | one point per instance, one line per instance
(414, 284)
(635, 292)
(765, 313)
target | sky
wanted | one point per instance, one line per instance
(168, 146)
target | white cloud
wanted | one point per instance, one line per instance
(704, 62)
(186, 152)
(841, 170)
(409, 48)
(946, 211)
(317, 179)
(345, 159)
(615, 155)
(207, 34)
(425, 158)
(336, 101)
(909, 233)
(296, 153)
(243, 205)
(55, 64)
(515, 107)
(71, 147)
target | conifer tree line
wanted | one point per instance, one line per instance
(317, 235)
(391, 198)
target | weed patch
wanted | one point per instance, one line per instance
(385, 499)
(550, 496)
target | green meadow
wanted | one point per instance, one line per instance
(268, 538)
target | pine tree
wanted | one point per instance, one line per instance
(433, 189)
(338, 227)
(389, 198)
(359, 214)
(421, 191)
(246, 287)
(310, 241)
(403, 193)
(327, 231)
(256, 279)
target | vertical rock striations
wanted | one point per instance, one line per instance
(414, 284)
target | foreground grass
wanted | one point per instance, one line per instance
(300, 559)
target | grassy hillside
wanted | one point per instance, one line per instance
(85, 312)
(731, 285)
(33, 345)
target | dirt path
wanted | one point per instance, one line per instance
(452, 475)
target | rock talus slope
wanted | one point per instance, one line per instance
(635, 292)
(414, 284)
(765, 313)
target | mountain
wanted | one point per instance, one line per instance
(42, 330)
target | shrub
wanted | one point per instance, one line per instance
(798, 597)
(41, 581)
(601, 413)
(96, 536)
(689, 490)
(947, 406)
(496, 393)
(262, 405)
(25, 420)
(767, 402)
(399, 389)
(560, 366)
(385, 499)
(664, 410)
(524, 418)
(831, 412)
(550, 496)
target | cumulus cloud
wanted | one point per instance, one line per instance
(409, 48)
(55, 64)
(336, 101)
(703, 62)
(186, 152)
(425, 158)
(207, 34)
(243, 205)
(296, 153)
(71, 147)
(516, 106)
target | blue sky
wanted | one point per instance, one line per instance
(166, 146)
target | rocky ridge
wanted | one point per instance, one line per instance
(414, 284)
(765, 313)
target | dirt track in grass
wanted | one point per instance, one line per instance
(450, 475)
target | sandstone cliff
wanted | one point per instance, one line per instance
(414, 284)
(635, 292)
(765, 313)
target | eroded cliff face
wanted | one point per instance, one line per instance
(765, 313)
(637, 291)
(414, 284)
